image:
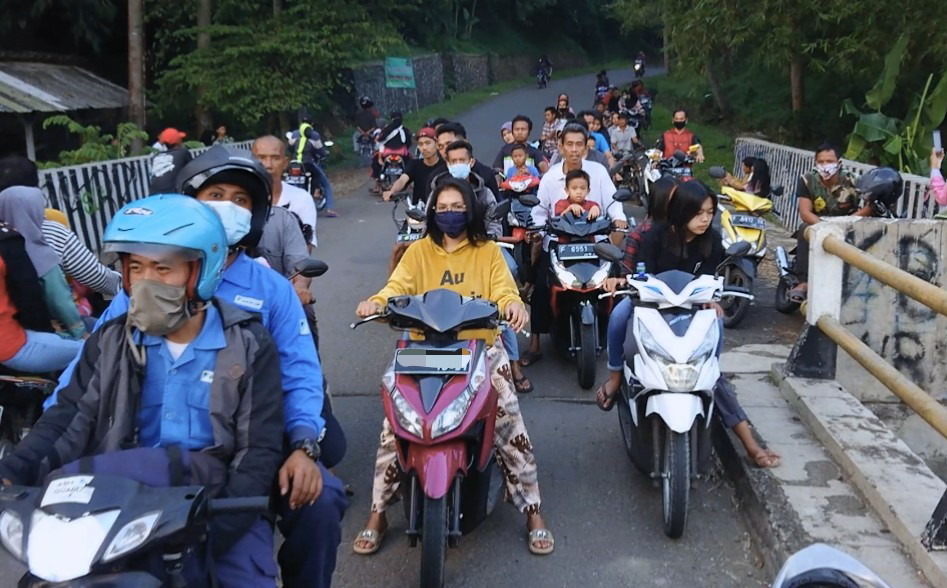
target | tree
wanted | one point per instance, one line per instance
(85, 22)
(136, 64)
(262, 63)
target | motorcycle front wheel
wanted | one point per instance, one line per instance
(585, 358)
(433, 542)
(676, 481)
(735, 311)
(783, 303)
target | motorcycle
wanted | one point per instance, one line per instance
(412, 223)
(744, 223)
(576, 276)
(680, 165)
(667, 395)
(392, 168)
(99, 530)
(639, 68)
(298, 173)
(442, 408)
(542, 78)
(826, 567)
(21, 404)
(366, 149)
(519, 223)
(633, 167)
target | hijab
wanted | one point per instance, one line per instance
(23, 207)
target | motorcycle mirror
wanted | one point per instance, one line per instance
(608, 252)
(622, 195)
(289, 135)
(311, 268)
(738, 249)
(416, 214)
(680, 155)
(778, 191)
(529, 200)
(502, 209)
(718, 172)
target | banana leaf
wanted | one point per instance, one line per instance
(876, 127)
(936, 109)
(885, 86)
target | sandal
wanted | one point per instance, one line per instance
(765, 459)
(604, 400)
(372, 537)
(332, 214)
(522, 388)
(528, 358)
(537, 535)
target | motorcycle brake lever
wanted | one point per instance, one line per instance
(368, 319)
(615, 293)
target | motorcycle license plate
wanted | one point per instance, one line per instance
(747, 221)
(408, 237)
(577, 252)
(432, 361)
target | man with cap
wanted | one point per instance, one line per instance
(417, 172)
(171, 157)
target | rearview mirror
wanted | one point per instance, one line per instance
(778, 191)
(622, 195)
(529, 200)
(311, 268)
(680, 155)
(416, 214)
(608, 252)
(718, 172)
(502, 209)
(738, 249)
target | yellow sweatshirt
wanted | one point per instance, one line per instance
(478, 271)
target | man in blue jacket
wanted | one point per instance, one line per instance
(313, 500)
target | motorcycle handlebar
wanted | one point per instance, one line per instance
(218, 506)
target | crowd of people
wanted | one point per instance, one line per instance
(209, 343)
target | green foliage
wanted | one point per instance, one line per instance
(903, 143)
(86, 22)
(262, 64)
(93, 144)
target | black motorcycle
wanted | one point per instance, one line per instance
(639, 68)
(630, 167)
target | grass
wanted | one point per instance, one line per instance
(344, 158)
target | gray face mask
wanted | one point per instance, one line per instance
(157, 308)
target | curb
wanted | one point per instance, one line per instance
(837, 420)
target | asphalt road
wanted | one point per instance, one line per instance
(605, 516)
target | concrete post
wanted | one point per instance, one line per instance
(825, 271)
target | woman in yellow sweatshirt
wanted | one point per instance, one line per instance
(457, 255)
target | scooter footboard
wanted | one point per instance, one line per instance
(437, 465)
(676, 409)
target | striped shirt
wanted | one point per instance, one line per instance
(78, 262)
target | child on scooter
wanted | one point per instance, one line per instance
(519, 167)
(577, 189)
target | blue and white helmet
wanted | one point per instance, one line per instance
(172, 224)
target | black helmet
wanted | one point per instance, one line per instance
(229, 165)
(882, 185)
(365, 102)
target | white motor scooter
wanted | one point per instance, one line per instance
(667, 394)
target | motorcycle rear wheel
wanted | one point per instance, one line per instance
(783, 303)
(433, 542)
(735, 311)
(676, 481)
(586, 358)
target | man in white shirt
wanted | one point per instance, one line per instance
(572, 147)
(271, 151)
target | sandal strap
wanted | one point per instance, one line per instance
(541, 535)
(368, 535)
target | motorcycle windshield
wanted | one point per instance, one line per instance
(678, 319)
(442, 311)
(675, 280)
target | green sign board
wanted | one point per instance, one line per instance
(399, 73)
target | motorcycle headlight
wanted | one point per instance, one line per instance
(598, 278)
(707, 347)
(11, 533)
(679, 377)
(405, 413)
(60, 549)
(131, 536)
(565, 277)
(452, 416)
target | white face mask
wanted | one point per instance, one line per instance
(236, 220)
(827, 170)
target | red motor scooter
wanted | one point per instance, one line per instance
(441, 405)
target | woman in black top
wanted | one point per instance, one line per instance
(686, 241)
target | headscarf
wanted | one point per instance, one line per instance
(507, 126)
(23, 207)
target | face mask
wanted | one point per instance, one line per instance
(459, 170)
(451, 223)
(827, 170)
(236, 220)
(680, 124)
(157, 308)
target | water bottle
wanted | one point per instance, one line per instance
(640, 271)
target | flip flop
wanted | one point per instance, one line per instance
(766, 459)
(332, 214)
(528, 358)
(517, 383)
(537, 535)
(609, 403)
(374, 539)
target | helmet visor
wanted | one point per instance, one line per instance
(152, 251)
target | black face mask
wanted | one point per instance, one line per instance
(680, 124)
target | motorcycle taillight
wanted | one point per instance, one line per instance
(395, 158)
(295, 171)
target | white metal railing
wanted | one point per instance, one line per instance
(786, 164)
(89, 194)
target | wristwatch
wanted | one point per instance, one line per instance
(310, 446)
